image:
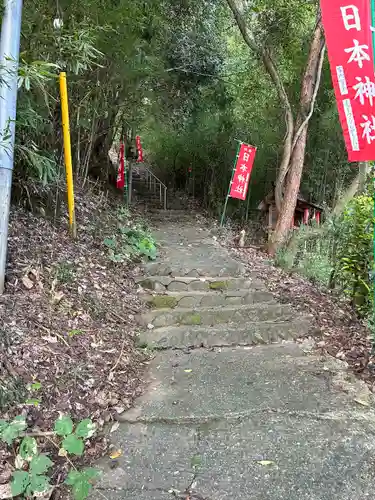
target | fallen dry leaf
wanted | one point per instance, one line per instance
(115, 454)
(27, 283)
(57, 297)
(115, 426)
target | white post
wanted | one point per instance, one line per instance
(9, 54)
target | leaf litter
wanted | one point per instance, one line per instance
(342, 334)
(67, 334)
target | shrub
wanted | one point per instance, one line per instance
(354, 262)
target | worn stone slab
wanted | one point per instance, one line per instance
(179, 284)
(236, 381)
(311, 460)
(218, 414)
(217, 315)
(194, 267)
(306, 458)
(192, 251)
(213, 298)
(179, 337)
(154, 457)
(137, 494)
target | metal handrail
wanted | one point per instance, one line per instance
(152, 180)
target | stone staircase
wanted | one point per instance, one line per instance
(234, 408)
(199, 296)
(147, 188)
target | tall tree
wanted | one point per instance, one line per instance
(292, 162)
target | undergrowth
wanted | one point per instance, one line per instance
(132, 241)
(338, 254)
(32, 470)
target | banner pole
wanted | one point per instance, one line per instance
(230, 184)
(372, 3)
(125, 177)
(126, 184)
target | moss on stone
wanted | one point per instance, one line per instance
(219, 285)
(163, 302)
(191, 319)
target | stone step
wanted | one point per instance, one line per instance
(265, 423)
(186, 283)
(171, 300)
(180, 337)
(202, 268)
(204, 383)
(172, 215)
(217, 315)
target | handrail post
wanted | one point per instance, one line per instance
(165, 198)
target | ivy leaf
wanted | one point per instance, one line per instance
(81, 490)
(38, 484)
(14, 429)
(40, 464)
(90, 473)
(20, 480)
(73, 445)
(28, 448)
(81, 482)
(63, 425)
(85, 429)
(73, 477)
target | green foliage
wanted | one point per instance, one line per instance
(131, 243)
(31, 474)
(339, 254)
(81, 482)
(34, 480)
(354, 264)
(28, 448)
(180, 75)
(72, 444)
(64, 425)
(12, 430)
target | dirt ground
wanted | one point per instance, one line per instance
(67, 328)
(342, 334)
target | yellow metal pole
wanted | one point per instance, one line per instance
(67, 153)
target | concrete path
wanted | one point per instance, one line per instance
(235, 409)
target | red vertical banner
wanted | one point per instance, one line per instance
(139, 148)
(242, 172)
(348, 33)
(121, 167)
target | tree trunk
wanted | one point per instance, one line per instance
(310, 83)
